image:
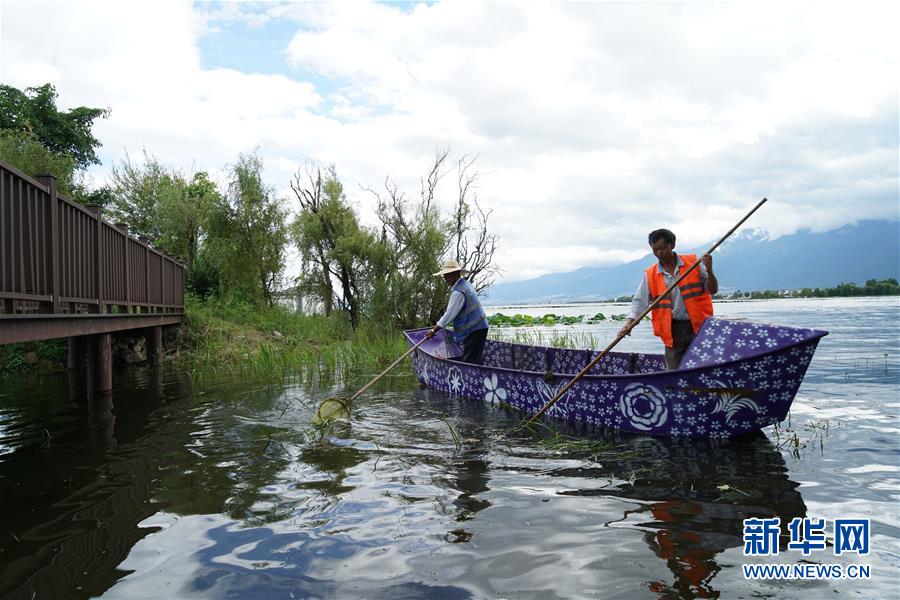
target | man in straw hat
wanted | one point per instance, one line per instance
(464, 312)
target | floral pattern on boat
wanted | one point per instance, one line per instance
(736, 377)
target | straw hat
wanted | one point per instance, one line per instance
(450, 266)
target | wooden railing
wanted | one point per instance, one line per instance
(57, 256)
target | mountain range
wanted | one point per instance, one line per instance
(748, 261)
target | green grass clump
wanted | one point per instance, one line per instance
(46, 355)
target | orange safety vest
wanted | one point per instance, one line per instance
(697, 300)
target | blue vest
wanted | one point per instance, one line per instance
(471, 316)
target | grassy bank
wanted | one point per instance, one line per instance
(239, 338)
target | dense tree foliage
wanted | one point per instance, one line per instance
(37, 138)
(184, 211)
(24, 150)
(69, 133)
(169, 207)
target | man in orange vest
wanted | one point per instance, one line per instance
(678, 317)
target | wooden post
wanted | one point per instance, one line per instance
(103, 362)
(146, 243)
(154, 344)
(72, 354)
(162, 282)
(50, 182)
(123, 227)
(95, 211)
(76, 385)
(102, 421)
(78, 352)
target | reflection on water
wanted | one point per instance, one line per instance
(162, 491)
(709, 489)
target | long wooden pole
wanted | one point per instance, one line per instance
(637, 320)
(391, 366)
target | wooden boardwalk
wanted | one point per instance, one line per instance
(67, 273)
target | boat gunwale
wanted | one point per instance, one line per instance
(819, 335)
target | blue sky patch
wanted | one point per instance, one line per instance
(248, 49)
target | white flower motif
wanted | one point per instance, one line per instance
(494, 393)
(454, 380)
(644, 405)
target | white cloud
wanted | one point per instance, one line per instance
(594, 122)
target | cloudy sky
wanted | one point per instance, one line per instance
(593, 122)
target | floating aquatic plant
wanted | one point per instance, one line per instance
(519, 320)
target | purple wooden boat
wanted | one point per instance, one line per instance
(737, 377)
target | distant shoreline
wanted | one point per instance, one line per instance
(872, 289)
(715, 300)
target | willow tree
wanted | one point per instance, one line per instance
(469, 240)
(385, 273)
(137, 190)
(247, 234)
(334, 248)
(184, 210)
(420, 234)
(413, 233)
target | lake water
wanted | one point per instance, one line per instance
(164, 491)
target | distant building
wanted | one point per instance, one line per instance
(293, 299)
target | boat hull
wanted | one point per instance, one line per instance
(736, 378)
